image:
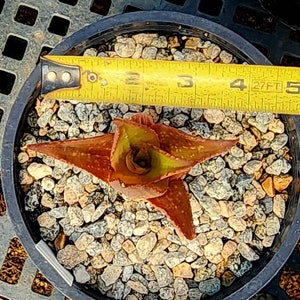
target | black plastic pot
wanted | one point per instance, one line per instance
(102, 31)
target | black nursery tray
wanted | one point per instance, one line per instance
(30, 28)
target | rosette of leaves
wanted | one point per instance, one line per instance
(142, 160)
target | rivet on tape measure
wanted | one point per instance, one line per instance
(172, 83)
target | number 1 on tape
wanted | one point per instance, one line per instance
(172, 83)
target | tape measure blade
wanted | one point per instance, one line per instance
(185, 84)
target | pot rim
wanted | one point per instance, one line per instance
(46, 262)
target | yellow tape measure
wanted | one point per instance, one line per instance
(172, 83)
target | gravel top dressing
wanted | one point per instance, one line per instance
(128, 249)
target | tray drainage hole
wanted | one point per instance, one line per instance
(290, 61)
(7, 81)
(290, 282)
(254, 19)
(45, 50)
(130, 8)
(59, 25)
(100, 7)
(70, 2)
(262, 49)
(41, 285)
(1, 5)
(15, 47)
(2, 202)
(14, 261)
(211, 7)
(26, 15)
(177, 2)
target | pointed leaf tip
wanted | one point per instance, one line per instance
(175, 203)
(190, 147)
(89, 154)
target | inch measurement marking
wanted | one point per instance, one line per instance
(172, 83)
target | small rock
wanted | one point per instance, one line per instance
(81, 275)
(84, 241)
(166, 293)
(98, 262)
(128, 246)
(276, 126)
(272, 224)
(127, 273)
(97, 229)
(210, 286)
(238, 224)
(192, 43)
(228, 249)
(180, 287)
(46, 220)
(111, 274)
(226, 58)
(174, 258)
(212, 250)
(278, 166)
(268, 186)
(248, 140)
(281, 182)
(149, 53)
(75, 215)
(247, 252)
(125, 47)
(252, 166)
(144, 38)
(88, 212)
(70, 256)
(145, 244)
(163, 275)
(213, 116)
(279, 141)
(195, 294)
(38, 171)
(138, 287)
(94, 248)
(59, 212)
(279, 206)
(183, 270)
(60, 241)
(159, 42)
(90, 52)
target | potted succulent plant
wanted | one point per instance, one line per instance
(145, 159)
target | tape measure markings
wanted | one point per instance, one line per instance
(185, 84)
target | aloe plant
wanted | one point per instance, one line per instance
(142, 160)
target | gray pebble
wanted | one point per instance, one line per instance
(166, 293)
(272, 224)
(247, 252)
(149, 53)
(49, 234)
(97, 229)
(279, 141)
(70, 256)
(219, 189)
(81, 275)
(210, 286)
(163, 275)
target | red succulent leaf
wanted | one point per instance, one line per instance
(175, 204)
(143, 119)
(142, 191)
(136, 157)
(190, 147)
(90, 154)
